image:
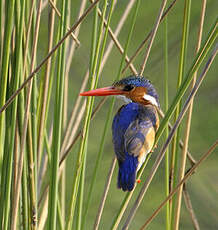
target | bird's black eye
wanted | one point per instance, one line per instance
(128, 87)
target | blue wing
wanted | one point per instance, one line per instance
(133, 137)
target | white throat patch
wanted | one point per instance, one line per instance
(151, 99)
(125, 99)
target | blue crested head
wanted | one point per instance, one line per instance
(138, 88)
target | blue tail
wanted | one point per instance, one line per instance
(127, 173)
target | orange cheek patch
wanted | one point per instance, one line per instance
(137, 94)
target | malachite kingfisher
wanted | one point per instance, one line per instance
(134, 125)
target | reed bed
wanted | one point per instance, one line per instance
(57, 166)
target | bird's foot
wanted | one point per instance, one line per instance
(154, 147)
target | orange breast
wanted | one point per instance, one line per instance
(147, 147)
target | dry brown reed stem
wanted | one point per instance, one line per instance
(52, 3)
(26, 47)
(116, 33)
(73, 116)
(8, 102)
(68, 127)
(73, 46)
(181, 144)
(77, 123)
(32, 177)
(67, 150)
(123, 209)
(153, 36)
(189, 207)
(76, 106)
(45, 86)
(166, 144)
(188, 126)
(44, 4)
(187, 175)
(44, 213)
(116, 42)
(146, 38)
(43, 166)
(23, 136)
(103, 199)
(16, 166)
(44, 210)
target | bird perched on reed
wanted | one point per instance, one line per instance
(134, 125)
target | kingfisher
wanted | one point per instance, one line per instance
(134, 125)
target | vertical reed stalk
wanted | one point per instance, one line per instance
(188, 125)
(175, 142)
(18, 71)
(5, 67)
(53, 193)
(154, 31)
(166, 108)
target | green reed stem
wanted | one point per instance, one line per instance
(53, 190)
(80, 218)
(60, 219)
(94, 79)
(25, 207)
(19, 20)
(182, 63)
(166, 131)
(25, 176)
(99, 156)
(9, 5)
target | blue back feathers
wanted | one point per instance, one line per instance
(127, 172)
(128, 163)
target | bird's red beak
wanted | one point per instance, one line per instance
(103, 92)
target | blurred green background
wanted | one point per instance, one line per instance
(203, 185)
